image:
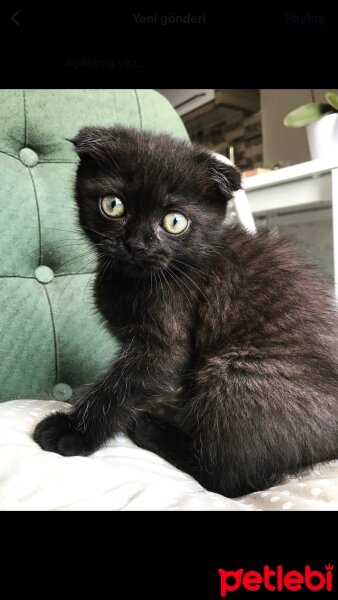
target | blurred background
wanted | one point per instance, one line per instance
(288, 183)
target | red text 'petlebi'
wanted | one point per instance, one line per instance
(276, 580)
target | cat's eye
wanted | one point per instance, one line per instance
(175, 222)
(112, 207)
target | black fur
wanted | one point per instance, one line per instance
(237, 321)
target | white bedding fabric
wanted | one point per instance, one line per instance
(124, 477)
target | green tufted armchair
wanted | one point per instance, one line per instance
(52, 342)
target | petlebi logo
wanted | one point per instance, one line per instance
(276, 579)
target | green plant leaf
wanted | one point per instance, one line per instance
(332, 99)
(306, 114)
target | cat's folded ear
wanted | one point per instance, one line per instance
(222, 172)
(226, 175)
(92, 142)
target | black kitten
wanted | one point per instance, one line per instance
(236, 320)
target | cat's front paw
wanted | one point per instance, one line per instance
(57, 433)
(145, 432)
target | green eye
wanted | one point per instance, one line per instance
(112, 206)
(175, 222)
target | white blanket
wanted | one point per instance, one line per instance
(121, 476)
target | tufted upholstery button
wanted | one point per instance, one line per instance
(28, 157)
(62, 391)
(44, 274)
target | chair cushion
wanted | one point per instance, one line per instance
(52, 342)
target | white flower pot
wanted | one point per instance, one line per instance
(323, 137)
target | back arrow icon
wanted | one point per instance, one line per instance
(14, 19)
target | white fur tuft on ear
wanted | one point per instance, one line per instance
(224, 173)
(240, 200)
(223, 159)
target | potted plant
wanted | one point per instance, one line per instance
(321, 122)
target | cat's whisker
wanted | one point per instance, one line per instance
(75, 240)
(106, 264)
(72, 230)
(73, 258)
(111, 264)
(64, 211)
(77, 232)
(175, 260)
(162, 288)
(159, 283)
(98, 233)
(192, 281)
(158, 279)
(179, 285)
(187, 288)
(167, 284)
(155, 276)
(74, 275)
(87, 284)
(90, 248)
(65, 246)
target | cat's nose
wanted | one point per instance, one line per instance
(135, 244)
